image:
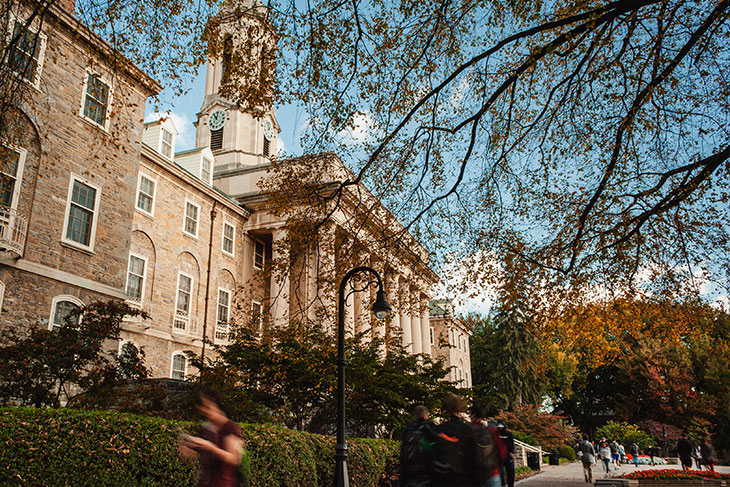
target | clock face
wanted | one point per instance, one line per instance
(268, 129)
(217, 119)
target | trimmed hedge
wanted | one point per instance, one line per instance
(568, 452)
(65, 447)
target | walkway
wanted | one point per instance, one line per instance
(571, 474)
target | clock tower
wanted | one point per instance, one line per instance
(236, 119)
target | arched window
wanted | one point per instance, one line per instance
(61, 308)
(179, 367)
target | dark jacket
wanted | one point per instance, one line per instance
(508, 439)
(684, 448)
(453, 463)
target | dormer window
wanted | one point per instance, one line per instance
(205, 170)
(166, 144)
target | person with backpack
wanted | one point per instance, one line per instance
(416, 448)
(489, 451)
(587, 455)
(508, 468)
(453, 459)
(615, 455)
(634, 450)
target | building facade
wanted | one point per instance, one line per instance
(100, 206)
(450, 341)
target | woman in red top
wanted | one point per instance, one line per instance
(218, 444)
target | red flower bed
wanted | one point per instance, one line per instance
(675, 474)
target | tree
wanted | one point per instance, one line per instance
(41, 367)
(289, 376)
(625, 434)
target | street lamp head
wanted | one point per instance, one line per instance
(381, 308)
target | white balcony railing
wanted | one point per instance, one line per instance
(13, 228)
(184, 324)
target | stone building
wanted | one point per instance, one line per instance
(450, 341)
(101, 206)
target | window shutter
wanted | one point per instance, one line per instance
(216, 139)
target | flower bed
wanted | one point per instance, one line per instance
(676, 474)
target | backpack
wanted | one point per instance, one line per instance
(486, 452)
(416, 449)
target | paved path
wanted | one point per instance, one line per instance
(571, 474)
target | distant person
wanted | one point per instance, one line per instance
(621, 454)
(684, 452)
(489, 450)
(508, 469)
(615, 454)
(416, 448)
(218, 444)
(696, 453)
(708, 453)
(634, 450)
(650, 453)
(604, 452)
(588, 457)
(453, 460)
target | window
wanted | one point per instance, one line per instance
(460, 342)
(135, 277)
(27, 52)
(166, 144)
(430, 333)
(224, 306)
(146, 194)
(216, 139)
(259, 255)
(81, 213)
(257, 314)
(179, 368)
(205, 170)
(61, 308)
(229, 238)
(11, 174)
(191, 219)
(96, 99)
(182, 303)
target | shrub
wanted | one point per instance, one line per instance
(625, 434)
(51, 447)
(549, 430)
(568, 452)
(524, 438)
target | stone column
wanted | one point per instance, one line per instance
(391, 290)
(415, 313)
(279, 297)
(405, 315)
(425, 325)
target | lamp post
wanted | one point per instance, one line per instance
(381, 308)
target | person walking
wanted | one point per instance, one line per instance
(651, 451)
(508, 469)
(697, 456)
(416, 447)
(634, 450)
(587, 455)
(684, 452)
(615, 455)
(453, 460)
(708, 453)
(218, 444)
(604, 451)
(489, 451)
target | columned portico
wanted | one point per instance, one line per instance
(391, 289)
(425, 325)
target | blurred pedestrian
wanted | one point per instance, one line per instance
(615, 454)
(697, 456)
(588, 457)
(489, 450)
(416, 448)
(453, 460)
(651, 451)
(217, 445)
(508, 469)
(708, 453)
(604, 451)
(684, 452)
(634, 450)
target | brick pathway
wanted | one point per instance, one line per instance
(571, 474)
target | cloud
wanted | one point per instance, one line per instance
(360, 130)
(184, 125)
